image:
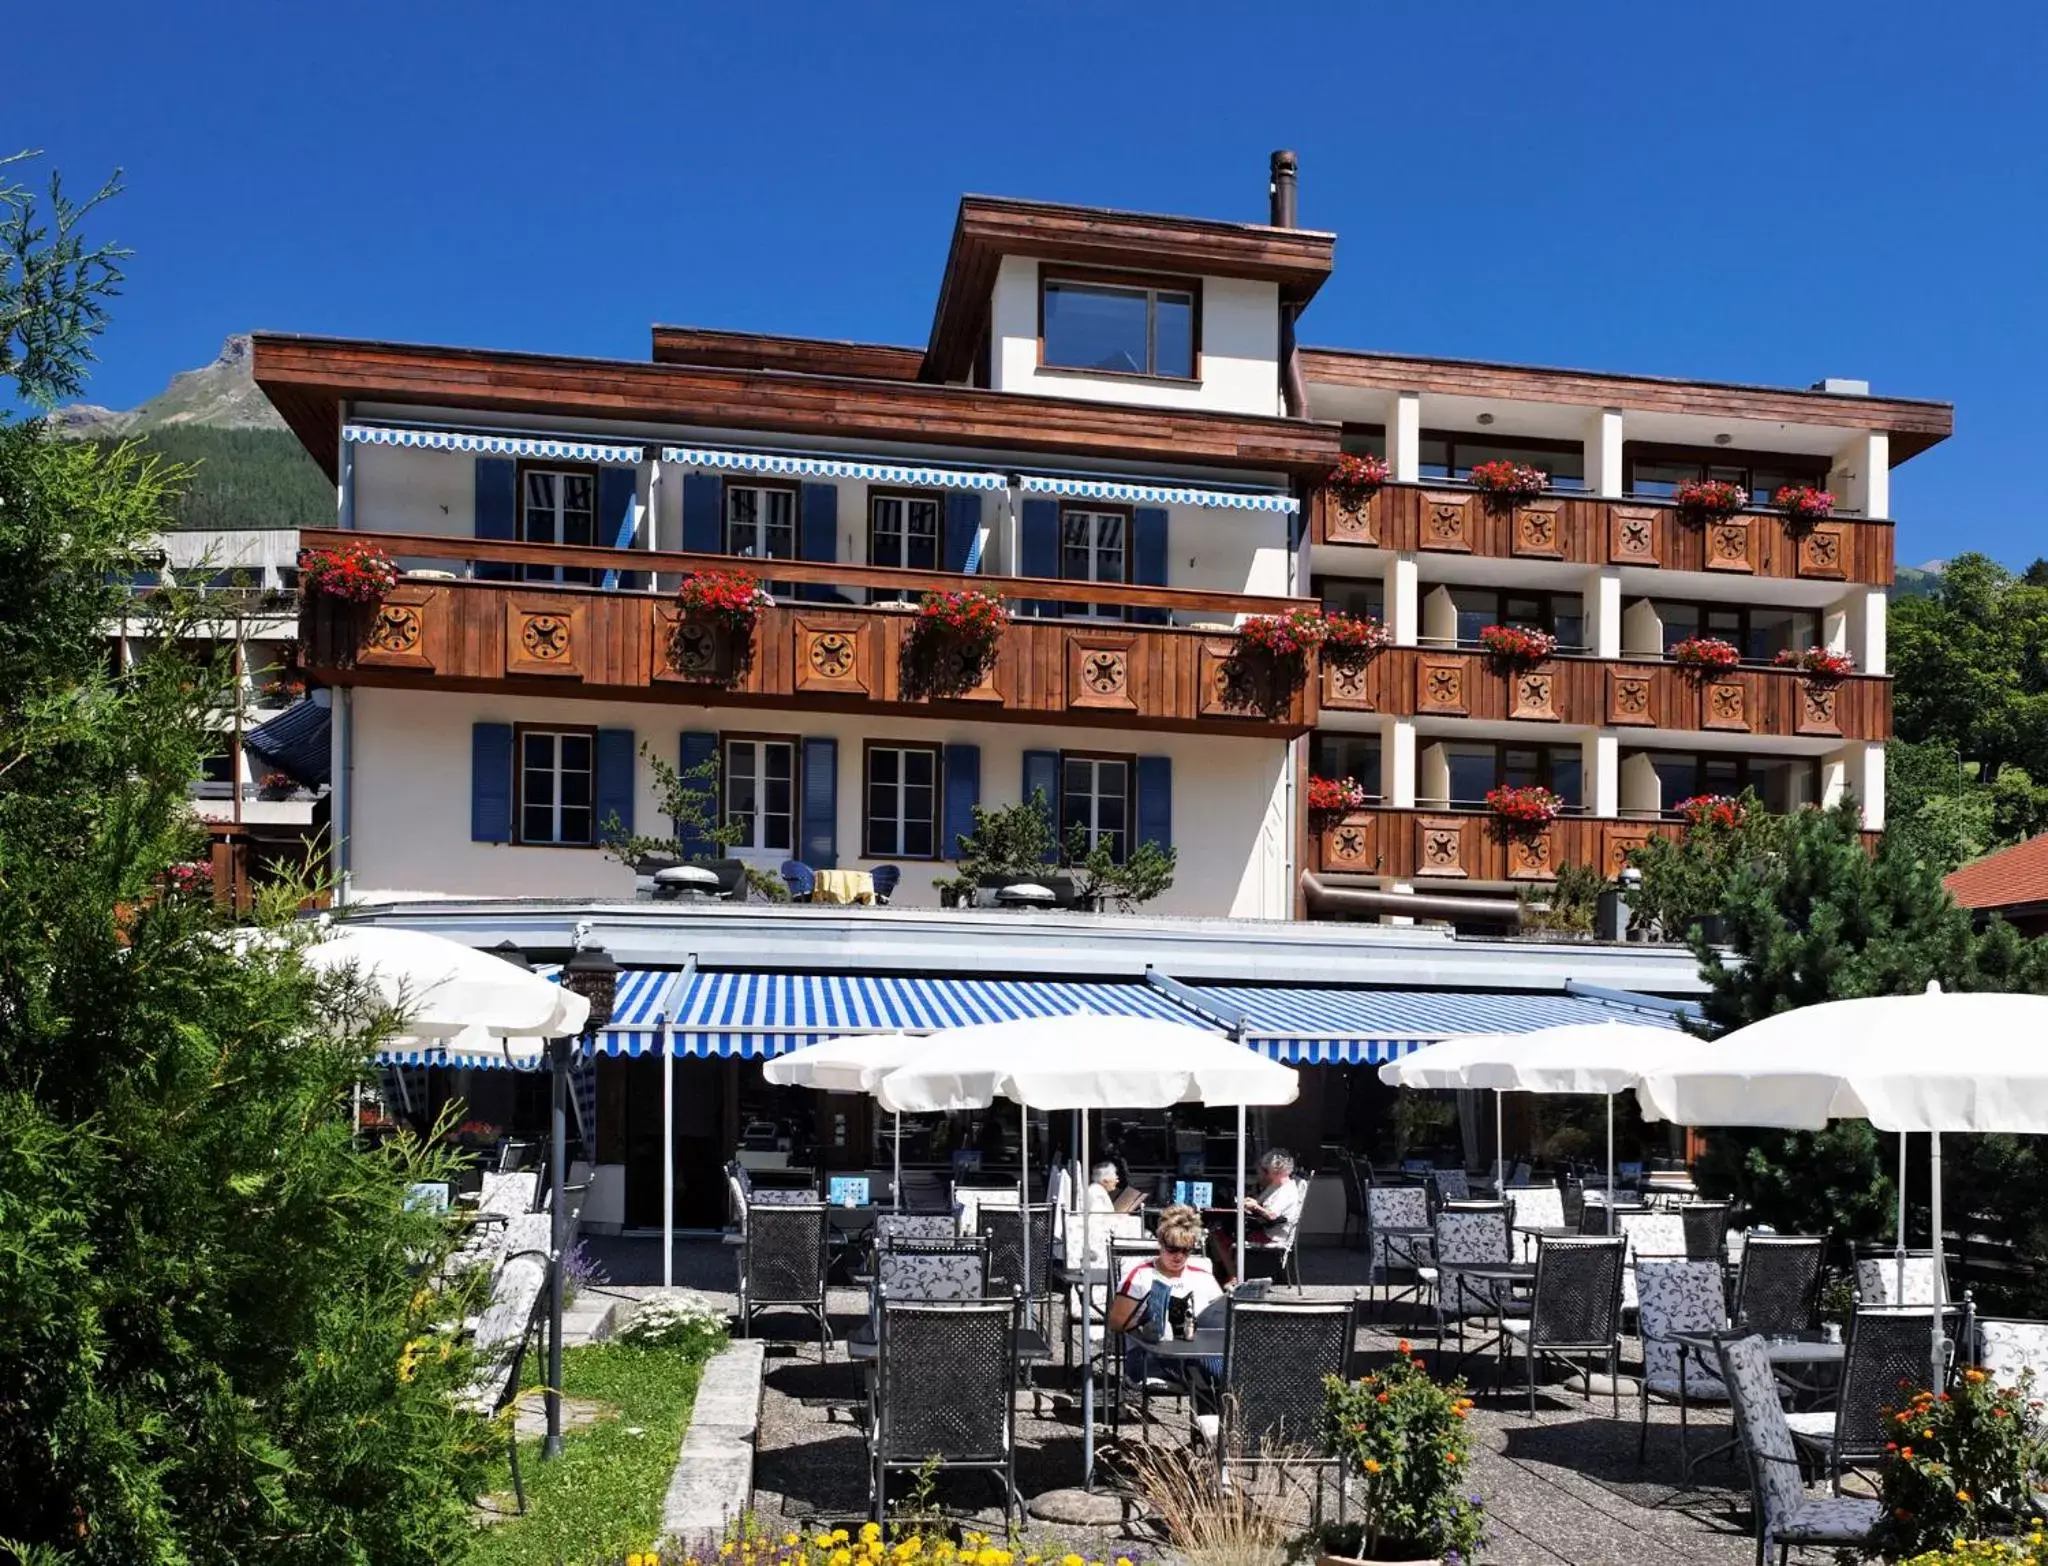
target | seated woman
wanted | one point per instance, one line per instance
(1271, 1217)
(1178, 1280)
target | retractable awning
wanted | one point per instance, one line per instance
(1361, 1027)
(832, 467)
(643, 998)
(491, 445)
(1159, 494)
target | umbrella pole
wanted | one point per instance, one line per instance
(1240, 1191)
(1500, 1165)
(1899, 1245)
(558, 1234)
(1610, 1163)
(668, 1156)
(1935, 1357)
(1024, 1200)
(1087, 1311)
(896, 1185)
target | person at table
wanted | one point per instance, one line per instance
(1103, 1181)
(1271, 1216)
(1176, 1281)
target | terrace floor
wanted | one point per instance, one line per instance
(1565, 1486)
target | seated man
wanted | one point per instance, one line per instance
(1271, 1217)
(1178, 1280)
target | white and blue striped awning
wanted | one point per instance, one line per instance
(1159, 494)
(1356, 1027)
(642, 999)
(833, 467)
(491, 445)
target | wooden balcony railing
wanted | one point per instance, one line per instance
(444, 631)
(1588, 530)
(1449, 846)
(1441, 683)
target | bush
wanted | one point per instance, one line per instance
(1960, 1464)
(681, 1319)
(1405, 1436)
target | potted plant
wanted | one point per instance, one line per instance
(1802, 504)
(1700, 501)
(952, 642)
(1332, 797)
(1356, 479)
(1706, 654)
(1516, 645)
(1822, 664)
(1508, 482)
(1403, 1439)
(1713, 810)
(716, 612)
(1961, 1465)
(1528, 809)
(348, 573)
(1351, 640)
(1270, 661)
(275, 785)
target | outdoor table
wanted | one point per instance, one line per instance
(1546, 1231)
(1500, 1280)
(1788, 1356)
(842, 886)
(1032, 1347)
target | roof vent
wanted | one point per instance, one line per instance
(1843, 388)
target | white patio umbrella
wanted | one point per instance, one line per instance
(1442, 1065)
(1086, 1061)
(1932, 1062)
(849, 1064)
(450, 996)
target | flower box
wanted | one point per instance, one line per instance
(1356, 479)
(1708, 500)
(1818, 663)
(1335, 796)
(1708, 654)
(732, 600)
(1282, 637)
(952, 644)
(348, 573)
(1803, 504)
(1351, 640)
(1525, 809)
(1506, 481)
(1517, 644)
(1712, 810)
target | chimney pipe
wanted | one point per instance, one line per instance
(1282, 182)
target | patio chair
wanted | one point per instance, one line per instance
(1448, 1185)
(1271, 1399)
(920, 1270)
(1003, 1230)
(2007, 1348)
(1395, 1207)
(1787, 1514)
(890, 1227)
(945, 1392)
(1779, 1284)
(1355, 1184)
(1576, 1310)
(1887, 1348)
(783, 1263)
(1593, 1210)
(1477, 1234)
(1536, 1206)
(511, 1320)
(1706, 1231)
(510, 1194)
(886, 879)
(732, 879)
(1674, 1297)
(1283, 1256)
(1650, 1236)
(796, 875)
(1878, 1281)
(1518, 1172)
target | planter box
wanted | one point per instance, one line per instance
(1382, 1560)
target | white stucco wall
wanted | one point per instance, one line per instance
(411, 804)
(1240, 349)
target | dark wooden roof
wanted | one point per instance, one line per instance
(766, 351)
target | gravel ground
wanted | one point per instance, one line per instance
(1565, 1486)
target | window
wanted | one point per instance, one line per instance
(1563, 615)
(902, 801)
(1654, 472)
(760, 793)
(1359, 596)
(1474, 769)
(1093, 549)
(1095, 795)
(1760, 633)
(1353, 756)
(1782, 783)
(558, 506)
(904, 531)
(1118, 328)
(760, 521)
(557, 786)
(1445, 455)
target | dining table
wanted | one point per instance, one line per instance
(843, 886)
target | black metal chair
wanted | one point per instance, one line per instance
(1779, 1284)
(1706, 1231)
(1888, 1348)
(1003, 1229)
(1275, 1358)
(1354, 1199)
(1576, 1310)
(921, 1270)
(783, 1263)
(945, 1392)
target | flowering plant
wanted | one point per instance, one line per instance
(1706, 652)
(1505, 480)
(1529, 809)
(1350, 639)
(348, 573)
(476, 1133)
(2029, 1551)
(1804, 503)
(1290, 636)
(966, 614)
(1406, 1436)
(1959, 1464)
(681, 1318)
(731, 598)
(188, 878)
(1822, 663)
(1356, 479)
(1335, 796)
(952, 642)
(1720, 810)
(1709, 500)
(747, 1543)
(1517, 644)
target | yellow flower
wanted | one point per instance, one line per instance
(1372, 1465)
(791, 1541)
(869, 1532)
(1963, 1496)
(838, 1536)
(1072, 1560)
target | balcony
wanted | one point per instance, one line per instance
(1421, 682)
(1455, 519)
(440, 631)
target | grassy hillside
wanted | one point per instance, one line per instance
(243, 477)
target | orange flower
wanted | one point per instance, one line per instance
(1380, 1399)
(1907, 1454)
(1372, 1465)
(1450, 1457)
(1403, 1347)
(1963, 1496)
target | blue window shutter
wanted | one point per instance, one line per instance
(617, 512)
(703, 514)
(615, 776)
(963, 521)
(1155, 800)
(1042, 776)
(1148, 558)
(1038, 546)
(820, 836)
(698, 747)
(818, 536)
(497, 513)
(490, 782)
(963, 793)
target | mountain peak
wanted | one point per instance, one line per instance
(220, 395)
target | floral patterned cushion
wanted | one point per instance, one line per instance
(915, 1226)
(1396, 1207)
(1827, 1519)
(1760, 1417)
(1675, 1297)
(1877, 1280)
(2010, 1349)
(1649, 1235)
(1536, 1207)
(918, 1274)
(794, 1198)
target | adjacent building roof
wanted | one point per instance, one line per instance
(770, 351)
(2015, 877)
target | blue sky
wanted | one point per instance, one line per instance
(1755, 192)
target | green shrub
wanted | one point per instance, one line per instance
(1959, 1465)
(1405, 1441)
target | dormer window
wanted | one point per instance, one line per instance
(1112, 325)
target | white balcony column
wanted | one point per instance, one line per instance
(1439, 616)
(1603, 451)
(1403, 598)
(1861, 478)
(1639, 792)
(1600, 773)
(1835, 627)
(1433, 774)
(1834, 778)
(1397, 763)
(1868, 763)
(1863, 628)
(1404, 436)
(1602, 594)
(1406, 888)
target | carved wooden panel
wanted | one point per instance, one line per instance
(1440, 845)
(1817, 707)
(1724, 703)
(1447, 521)
(689, 651)
(1823, 551)
(1728, 542)
(832, 658)
(1099, 673)
(544, 638)
(1628, 696)
(1440, 686)
(1351, 687)
(1228, 689)
(1632, 536)
(1357, 524)
(1539, 529)
(1532, 693)
(394, 633)
(1351, 845)
(1616, 843)
(1531, 856)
